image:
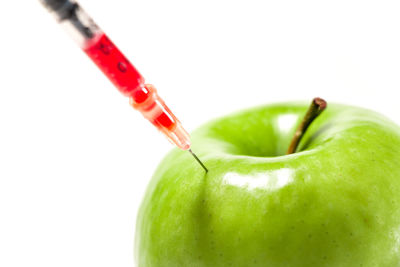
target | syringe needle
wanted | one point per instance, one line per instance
(198, 160)
(103, 52)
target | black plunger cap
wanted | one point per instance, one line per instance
(54, 4)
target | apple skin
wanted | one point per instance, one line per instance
(336, 202)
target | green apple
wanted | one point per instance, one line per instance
(335, 202)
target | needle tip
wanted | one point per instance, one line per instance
(198, 160)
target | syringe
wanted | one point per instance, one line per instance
(143, 97)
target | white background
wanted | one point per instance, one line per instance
(75, 158)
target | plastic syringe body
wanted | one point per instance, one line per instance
(126, 78)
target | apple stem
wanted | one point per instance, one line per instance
(317, 106)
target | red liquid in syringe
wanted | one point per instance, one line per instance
(129, 81)
(116, 67)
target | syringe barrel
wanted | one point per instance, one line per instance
(98, 47)
(118, 69)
